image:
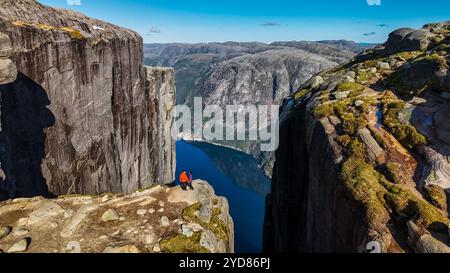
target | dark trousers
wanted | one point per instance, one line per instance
(184, 186)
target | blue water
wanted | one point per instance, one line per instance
(246, 199)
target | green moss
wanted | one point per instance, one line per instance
(351, 123)
(362, 181)
(323, 110)
(355, 88)
(370, 63)
(406, 134)
(216, 225)
(344, 140)
(364, 76)
(377, 194)
(300, 94)
(407, 55)
(393, 171)
(356, 149)
(436, 196)
(183, 244)
(435, 59)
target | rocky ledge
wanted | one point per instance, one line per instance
(364, 152)
(158, 219)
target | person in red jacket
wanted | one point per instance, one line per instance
(184, 180)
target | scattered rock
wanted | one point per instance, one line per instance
(341, 95)
(316, 81)
(149, 238)
(348, 79)
(161, 203)
(187, 231)
(5, 231)
(151, 211)
(161, 210)
(383, 66)
(164, 221)
(141, 212)
(19, 246)
(358, 103)
(373, 70)
(195, 227)
(156, 248)
(110, 215)
(121, 249)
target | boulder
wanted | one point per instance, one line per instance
(19, 246)
(315, 82)
(407, 39)
(5, 231)
(164, 221)
(110, 215)
(384, 66)
(20, 231)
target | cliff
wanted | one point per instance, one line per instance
(364, 152)
(79, 111)
(158, 219)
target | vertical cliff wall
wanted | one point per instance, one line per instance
(84, 115)
(364, 151)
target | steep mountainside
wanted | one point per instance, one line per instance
(246, 73)
(194, 63)
(79, 111)
(364, 153)
(158, 219)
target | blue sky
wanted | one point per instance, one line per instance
(261, 20)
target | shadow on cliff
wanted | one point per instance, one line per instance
(24, 118)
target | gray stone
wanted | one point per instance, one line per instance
(348, 79)
(341, 95)
(19, 246)
(141, 212)
(5, 231)
(208, 240)
(187, 231)
(384, 66)
(374, 151)
(358, 103)
(110, 215)
(316, 81)
(8, 71)
(164, 221)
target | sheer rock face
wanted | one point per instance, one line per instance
(371, 167)
(146, 221)
(82, 115)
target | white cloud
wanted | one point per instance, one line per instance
(374, 2)
(73, 2)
